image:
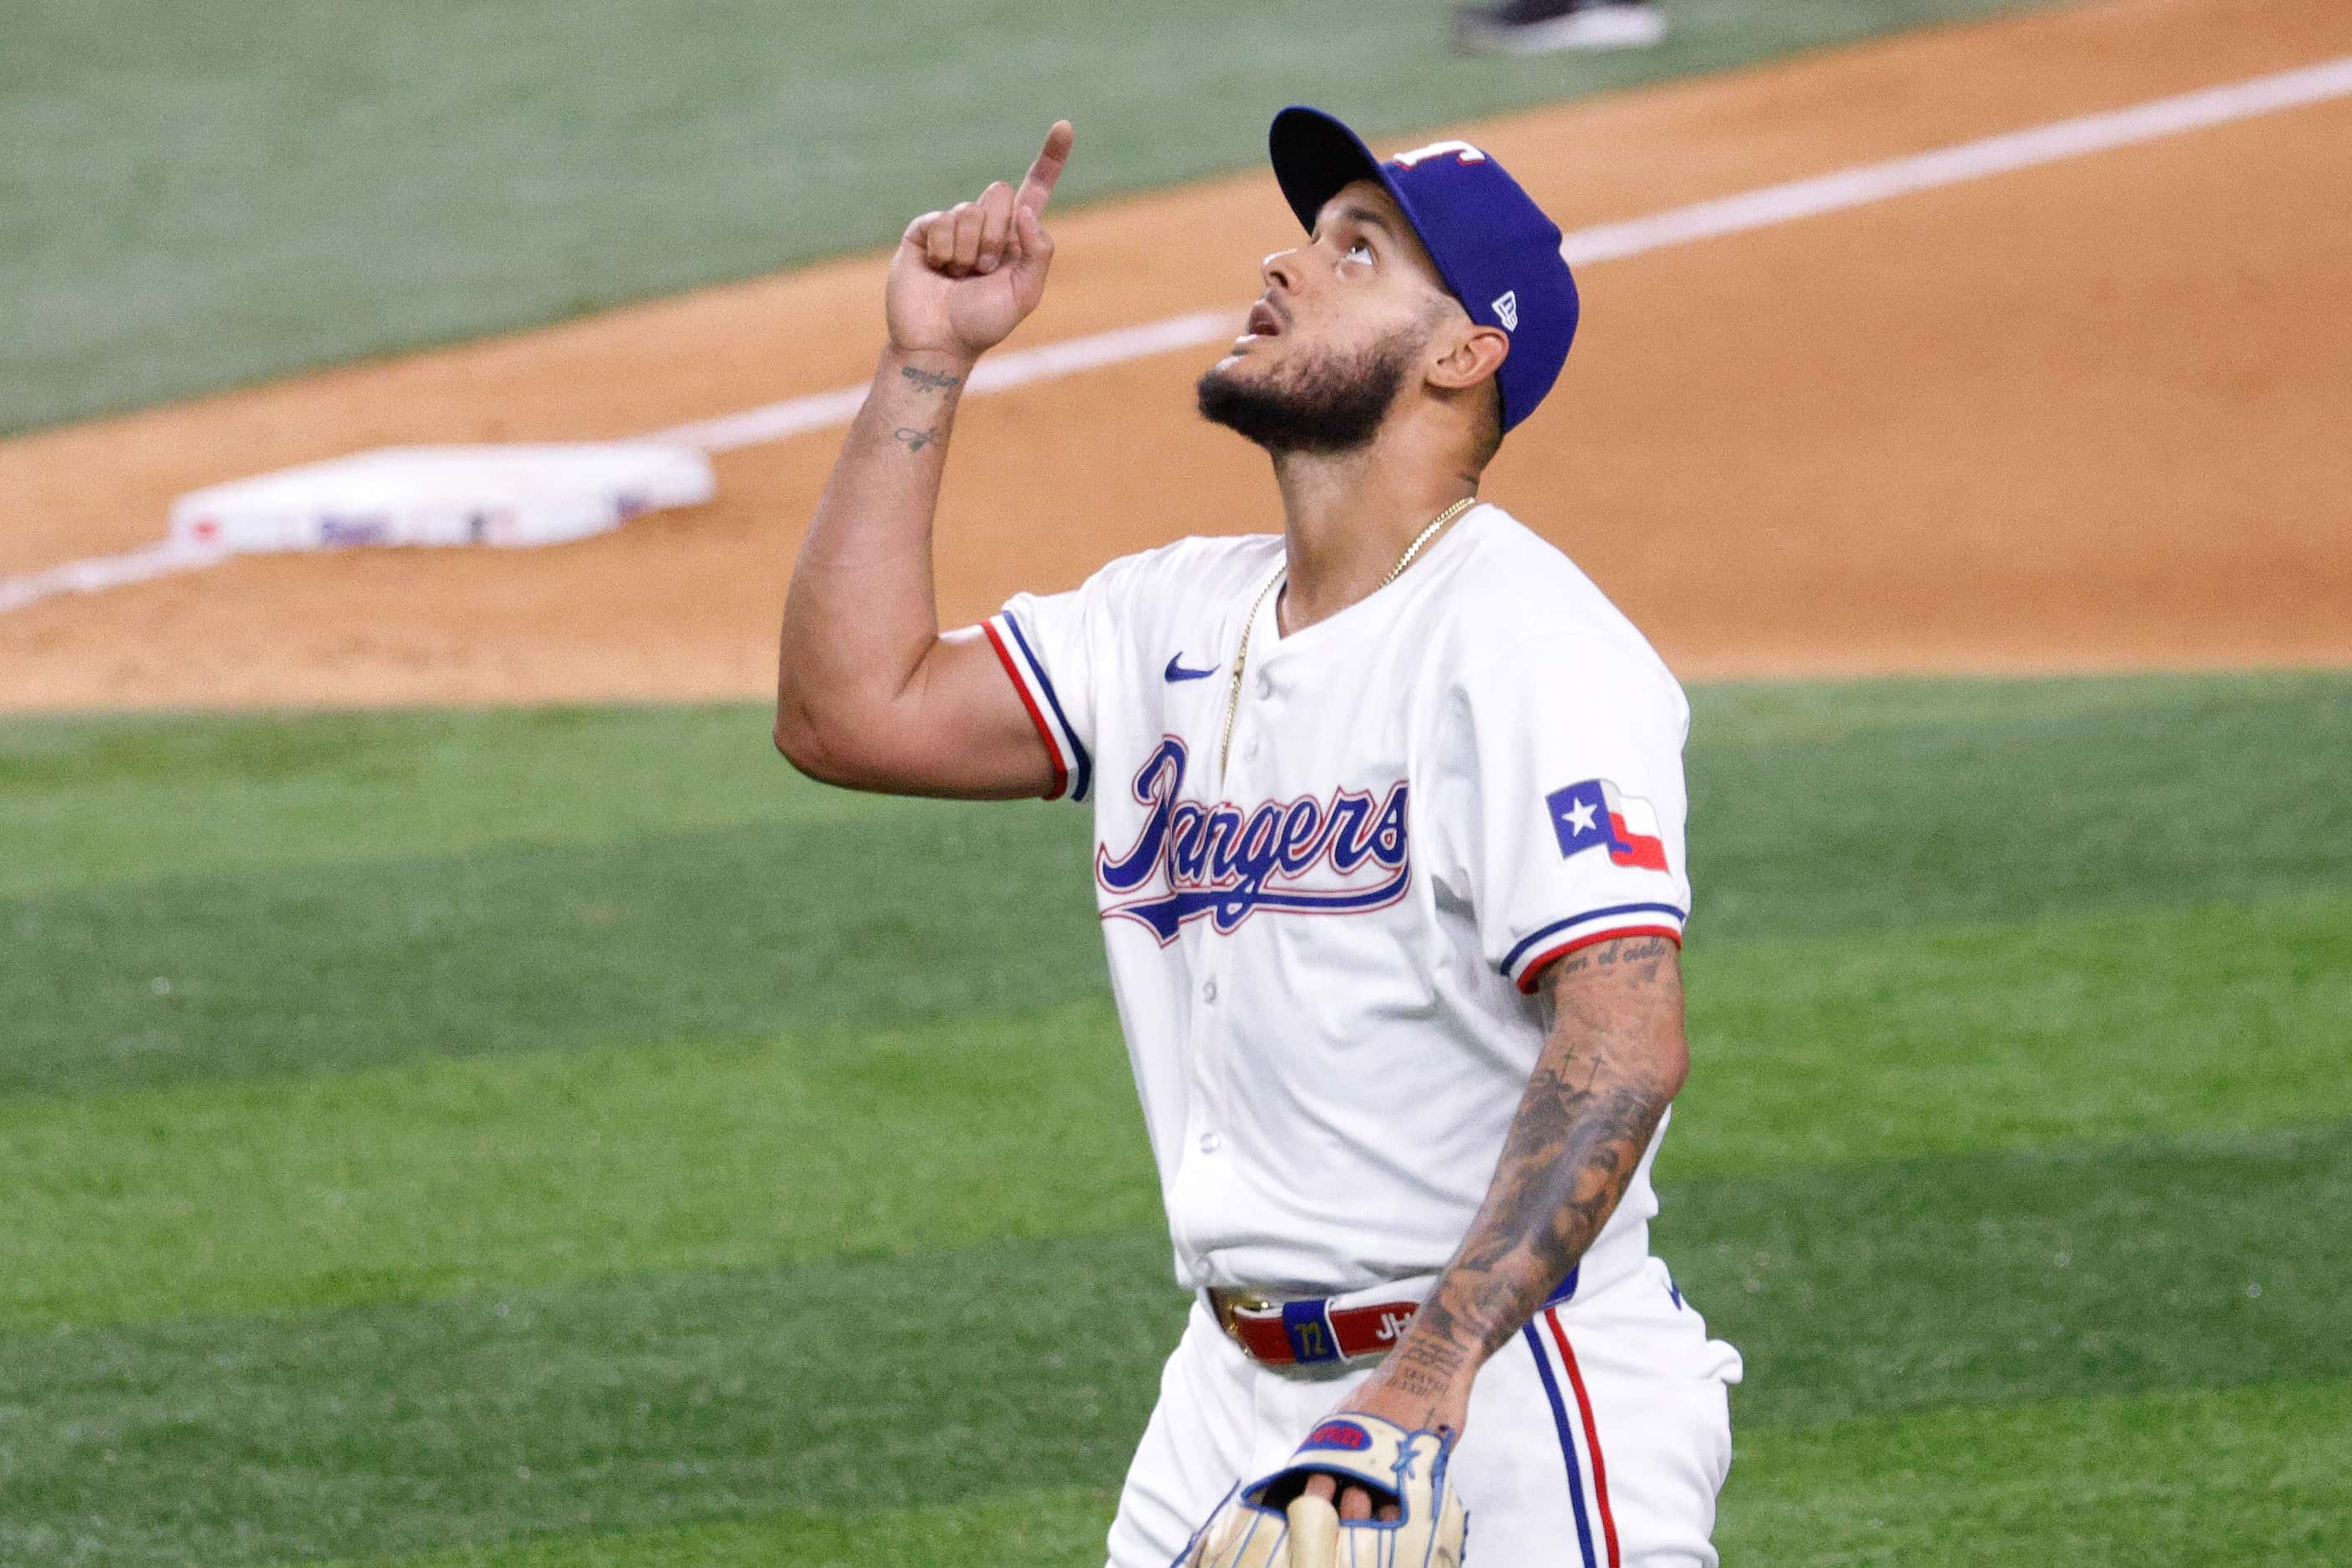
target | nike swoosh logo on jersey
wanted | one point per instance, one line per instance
(1176, 670)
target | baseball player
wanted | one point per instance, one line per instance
(1387, 813)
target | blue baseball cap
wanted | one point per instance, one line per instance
(1497, 252)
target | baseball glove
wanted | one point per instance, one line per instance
(1271, 1523)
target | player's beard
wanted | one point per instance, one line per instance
(1324, 403)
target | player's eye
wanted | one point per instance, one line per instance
(1359, 251)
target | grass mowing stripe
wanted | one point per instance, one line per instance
(444, 1176)
(2239, 1477)
(458, 1176)
(721, 935)
(2168, 1263)
(96, 800)
(2248, 1476)
(2160, 1480)
(851, 1385)
(1879, 1045)
(1772, 713)
(1060, 1525)
(640, 1403)
(2030, 798)
(1818, 808)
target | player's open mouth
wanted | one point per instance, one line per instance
(1264, 322)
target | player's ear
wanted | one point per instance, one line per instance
(1464, 353)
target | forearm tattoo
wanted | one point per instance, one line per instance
(1589, 1113)
(915, 440)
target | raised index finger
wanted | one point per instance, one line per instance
(1038, 184)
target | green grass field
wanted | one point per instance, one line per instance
(565, 1138)
(205, 195)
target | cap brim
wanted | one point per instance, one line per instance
(1315, 157)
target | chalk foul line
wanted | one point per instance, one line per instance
(103, 572)
(999, 373)
(1765, 208)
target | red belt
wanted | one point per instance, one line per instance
(1300, 1334)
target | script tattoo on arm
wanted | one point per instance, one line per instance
(1611, 1062)
(929, 380)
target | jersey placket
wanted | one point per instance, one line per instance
(1214, 1020)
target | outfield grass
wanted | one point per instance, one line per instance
(577, 914)
(565, 1138)
(208, 195)
(443, 1177)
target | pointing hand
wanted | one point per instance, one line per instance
(963, 278)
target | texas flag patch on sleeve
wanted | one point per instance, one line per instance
(1594, 816)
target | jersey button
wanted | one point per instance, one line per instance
(1208, 991)
(1210, 1142)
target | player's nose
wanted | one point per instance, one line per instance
(1280, 270)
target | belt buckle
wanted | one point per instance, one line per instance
(1230, 1307)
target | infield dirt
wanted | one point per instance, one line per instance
(2090, 415)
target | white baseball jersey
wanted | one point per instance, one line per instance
(1323, 931)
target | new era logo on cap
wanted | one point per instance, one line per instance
(1494, 247)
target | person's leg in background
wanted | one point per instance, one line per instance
(1539, 27)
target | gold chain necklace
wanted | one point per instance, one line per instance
(1241, 657)
(1423, 537)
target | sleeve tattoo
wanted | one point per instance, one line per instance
(1610, 1064)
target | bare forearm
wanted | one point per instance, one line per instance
(1612, 1065)
(862, 611)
